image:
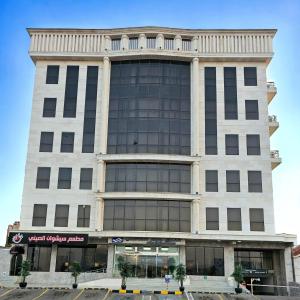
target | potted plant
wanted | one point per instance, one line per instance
(25, 267)
(75, 268)
(238, 277)
(180, 274)
(125, 271)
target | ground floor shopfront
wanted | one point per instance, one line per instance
(155, 258)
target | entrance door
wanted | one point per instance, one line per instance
(15, 264)
(146, 266)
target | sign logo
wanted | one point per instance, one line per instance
(17, 238)
(117, 240)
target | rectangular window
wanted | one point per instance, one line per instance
(115, 44)
(39, 215)
(253, 144)
(147, 177)
(230, 93)
(46, 141)
(251, 108)
(133, 43)
(67, 142)
(61, 215)
(211, 180)
(43, 177)
(257, 222)
(254, 259)
(39, 257)
(49, 109)
(83, 217)
(254, 182)
(169, 44)
(233, 181)
(151, 42)
(71, 89)
(234, 219)
(149, 215)
(89, 122)
(86, 178)
(64, 178)
(232, 144)
(52, 74)
(211, 144)
(186, 45)
(212, 218)
(250, 76)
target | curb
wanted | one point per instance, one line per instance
(162, 292)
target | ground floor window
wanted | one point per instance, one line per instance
(40, 257)
(202, 260)
(148, 261)
(254, 259)
(91, 258)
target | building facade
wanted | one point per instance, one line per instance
(152, 144)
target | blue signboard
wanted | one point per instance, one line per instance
(117, 240)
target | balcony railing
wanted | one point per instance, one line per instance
(275, 158)
(271, 90)
(275, 154)
(273, 124)
(273, 118)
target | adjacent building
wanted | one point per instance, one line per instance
(153, 144)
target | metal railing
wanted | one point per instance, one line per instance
(271, 84)
(274, 154)
(272, 118)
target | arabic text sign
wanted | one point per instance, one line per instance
(47, 238)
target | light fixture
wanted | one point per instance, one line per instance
(164, 249)
(147, 248)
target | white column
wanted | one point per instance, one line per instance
(53, 258)
(124, 42)
(228, 260)
(160, 41)
(99, 213)
(195, 216)
(177, 42)
(195, 111)
(104, 105)
(195, 177)
(142, 41)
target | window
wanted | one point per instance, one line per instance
(147, 215)
(234, 219)
(254, 182)
(83, 217)
(147, 177)
(115, 44)
(169, 44)
(133, 43)
(250, 76)
(71, 88)
(43, 177)
(232, 144)
(49, 108)
(257, 219)
(251, 107)
(230, 94)
(233, 181)
(89, 122)
(61, 215)
(211, 180)
(149, 107)
(39, 257)
(52, 74)
(67, 142)
(64, 178)
(212, 218)
(254, 260)
(186, 45)
(39, 215)
(86, 178)
(151, 42)
(253, 144)
(204, 260)
(46, 141)
(211, 144)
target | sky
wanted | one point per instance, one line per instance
(17, 76)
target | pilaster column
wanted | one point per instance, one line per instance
(142, 41)
(107, 43)
(228, 260)
(177, 42)
(195, 177)
(99, 217)
(160, 41)
(53, 258)
(195, 111)
(100, 176)
(104, 106)
(124, 42)
(195, 216)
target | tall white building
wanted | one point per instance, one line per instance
(152, 144)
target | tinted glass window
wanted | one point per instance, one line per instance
(256, 219)
(61, 215)
(230, 93)
(232, 144)
(253, 144)
(234, 219)
(149, 110)
(211, 180)
(254, 182)
(43, 178)
(39, 215)
(67, 142)
(147, 177)
(52, 74)
(250, 76)
(49, 108)
(46, 141)
(233, 181)
(64, 178)
(251, 107)
(212, 218)
(83, 217)
(39, 257)
(86, 178)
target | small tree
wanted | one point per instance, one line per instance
(172, 265)
(75, 268)
(180, 274)
(238, 275)
(25, 267)
(125, 270)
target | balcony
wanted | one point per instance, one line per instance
(273, 124)
(275, 158)
(271, 90)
